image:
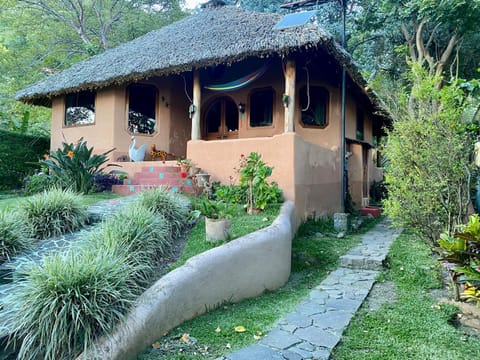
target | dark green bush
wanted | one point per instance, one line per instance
(14, 235)
(20, 156)
(37, 183)
(68, 301)
(174, 207)
(53, 213)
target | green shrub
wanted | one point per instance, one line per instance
(68, 301)
(74, 166)
(138, 235)
(231, 194)
(37, 183)
(253, 175)
(429, 158)
(174, 207)
(14, 235)
(53, 213)
(20, 155)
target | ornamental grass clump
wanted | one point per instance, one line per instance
(174, 207)
(14, 235)
(68, 301)
(137, 235)
(53, 213)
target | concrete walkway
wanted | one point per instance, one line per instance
(315, 327)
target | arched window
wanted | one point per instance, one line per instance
(261, 107)
(314, 105)
(142, 105)
(80, 108)
(221, 119)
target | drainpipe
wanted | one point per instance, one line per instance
(197, 99)
(343, 176)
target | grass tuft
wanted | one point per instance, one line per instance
(174, 207)
(136, 234)
(53, 213)
(68, 301)
(14, 235)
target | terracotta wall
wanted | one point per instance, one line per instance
(307, 173)
(219, 158)
(317, 180)
(99, 135)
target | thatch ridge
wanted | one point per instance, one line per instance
(215, 35)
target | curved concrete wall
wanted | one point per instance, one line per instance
(243, 268)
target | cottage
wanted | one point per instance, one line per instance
(221, 83)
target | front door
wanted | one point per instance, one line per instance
(221, 119)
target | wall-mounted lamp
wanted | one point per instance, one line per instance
(241, 108)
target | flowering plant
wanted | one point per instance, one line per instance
(74, 166)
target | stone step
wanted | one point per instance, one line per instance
(158, 169)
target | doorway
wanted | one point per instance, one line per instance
(221, 119)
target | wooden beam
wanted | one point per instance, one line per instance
(289, 96)
(197, 100)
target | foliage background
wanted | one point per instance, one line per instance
(20, 157)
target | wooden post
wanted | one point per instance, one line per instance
(289, 97)
(197, 100)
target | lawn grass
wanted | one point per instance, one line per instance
(315, 252)
(415, 326)
(243, 224)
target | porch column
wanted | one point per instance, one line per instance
(197, 100)
(289, 96)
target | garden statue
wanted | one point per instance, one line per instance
(134, 153)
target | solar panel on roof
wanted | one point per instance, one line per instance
(295, 19)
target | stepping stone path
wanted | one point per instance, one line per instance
(96, 213)
(315, 327)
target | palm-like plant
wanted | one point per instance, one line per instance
(75, 166)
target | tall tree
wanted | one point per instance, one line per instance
(39, 37)
(430, 33)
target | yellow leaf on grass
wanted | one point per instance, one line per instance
(217, 330)
(239, 328)
(185, 338)
(156, 345)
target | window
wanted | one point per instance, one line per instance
(261, 107)
(314, 105)
(142, 101)
(360, 124)
(80, 108)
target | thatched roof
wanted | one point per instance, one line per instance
(213, 36)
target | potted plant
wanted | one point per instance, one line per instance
(218, 215)
(184, 164)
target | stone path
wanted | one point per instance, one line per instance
(315, 327)
(44, 247)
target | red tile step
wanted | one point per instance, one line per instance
(151, 177)
(371, 210)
